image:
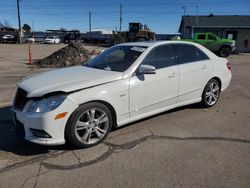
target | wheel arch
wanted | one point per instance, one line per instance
(110, 107)
(226, 45)
(217, 79)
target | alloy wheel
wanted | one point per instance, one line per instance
(212, 93)
(92, 126)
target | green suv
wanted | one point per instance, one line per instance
(221, 46)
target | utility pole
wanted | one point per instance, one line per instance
(90, 22)
(19, 21)
(120, 17)
(33, 27)
(184, 14)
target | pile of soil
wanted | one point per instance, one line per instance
(70, 55)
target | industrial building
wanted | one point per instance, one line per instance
(233, 27)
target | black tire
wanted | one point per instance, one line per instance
(140, 39)
(209, 95)
(87, 136)
(225, 51)
(118, 40)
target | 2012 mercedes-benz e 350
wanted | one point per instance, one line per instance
(123, 84)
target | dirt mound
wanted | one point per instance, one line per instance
(72, 54)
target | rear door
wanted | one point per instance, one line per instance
(195, 69)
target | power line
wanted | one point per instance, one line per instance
(145, 4)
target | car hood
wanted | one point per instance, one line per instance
(66, 80)
(227, 40)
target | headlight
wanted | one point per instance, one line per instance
(45, 105)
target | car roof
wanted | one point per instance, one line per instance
(152, 44)
(155, 43)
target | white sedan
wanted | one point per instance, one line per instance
(52, 40)
(123, 84)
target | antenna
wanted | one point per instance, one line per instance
(184, 10)
(197, 13)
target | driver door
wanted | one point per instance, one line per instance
(211, 42)
(152, 92)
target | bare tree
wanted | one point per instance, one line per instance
(5, 23)
(1, 24)
(62, 29)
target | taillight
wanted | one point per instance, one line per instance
(229, 66)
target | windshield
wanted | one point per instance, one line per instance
(118, 58)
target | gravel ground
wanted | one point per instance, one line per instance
(13, 63)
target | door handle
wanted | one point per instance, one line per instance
(171, 75)
(204, 67)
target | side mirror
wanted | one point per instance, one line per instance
(146, 69)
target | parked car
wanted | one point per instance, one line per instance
(9, 38)
(52, 40)
(220, 46)
(36, 37)
(31, 39)
(123, 84)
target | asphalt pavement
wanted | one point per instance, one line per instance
(186, 147)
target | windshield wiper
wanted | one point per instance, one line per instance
(93, 66)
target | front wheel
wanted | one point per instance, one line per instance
(89, 125)
(211, 93)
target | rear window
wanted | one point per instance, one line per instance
(211, 37)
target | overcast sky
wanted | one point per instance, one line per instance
(162, 16)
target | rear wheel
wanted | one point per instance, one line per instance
(211, 93)
(225, 51)
(118, 40)
(89, 125)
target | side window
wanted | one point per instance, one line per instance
(201, 37)
(160, 57)
(185, 53)
(211, 37)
